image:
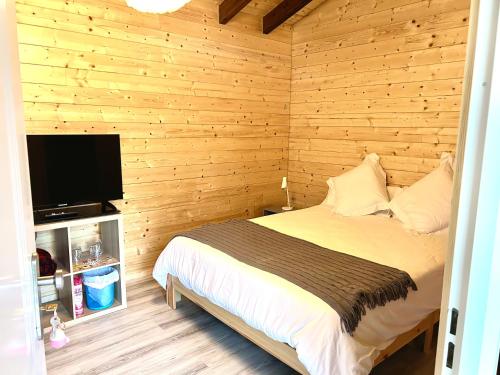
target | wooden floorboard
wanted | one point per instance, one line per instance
(149, 338)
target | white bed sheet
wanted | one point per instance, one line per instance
(289, 314)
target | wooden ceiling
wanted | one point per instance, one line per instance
(277, 11)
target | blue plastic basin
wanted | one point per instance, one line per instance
(99, 299)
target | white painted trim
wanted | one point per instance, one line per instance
(20, 350)
(472, 265)
(77, 222)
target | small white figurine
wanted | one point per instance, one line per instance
(57, 336)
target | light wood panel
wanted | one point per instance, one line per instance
(202, 109)
(374, 76)
(212, 116)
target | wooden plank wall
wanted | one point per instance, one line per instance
(202, 109)
(374, 76)
(207, 118)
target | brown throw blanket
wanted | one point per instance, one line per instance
(347, 283)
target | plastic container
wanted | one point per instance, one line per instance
(99, 286)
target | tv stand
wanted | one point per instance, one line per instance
(59, 239)
(80, 211)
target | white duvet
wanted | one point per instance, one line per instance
(289, 314)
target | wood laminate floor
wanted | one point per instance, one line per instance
(149, 338)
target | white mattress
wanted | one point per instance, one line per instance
(292, 315)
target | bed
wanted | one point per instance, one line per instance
(296, 326)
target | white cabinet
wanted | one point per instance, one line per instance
(59, 238)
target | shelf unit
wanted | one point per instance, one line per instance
(59, 238)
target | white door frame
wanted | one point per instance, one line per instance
(20, 350)
(472, 271)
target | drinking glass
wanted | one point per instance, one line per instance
(96, 251)
(77, 255)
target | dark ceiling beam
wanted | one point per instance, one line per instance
(281, 13)
(229, 8)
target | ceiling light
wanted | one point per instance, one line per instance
(157, 6)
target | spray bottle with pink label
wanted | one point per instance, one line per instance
(78, 295)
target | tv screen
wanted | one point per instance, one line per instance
(74, 169)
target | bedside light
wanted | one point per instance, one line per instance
(284, 185)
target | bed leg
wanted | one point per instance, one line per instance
(170, 292)
(428, 335)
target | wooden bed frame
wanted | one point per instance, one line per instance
(280, 350)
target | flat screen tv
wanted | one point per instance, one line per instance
(68, 170)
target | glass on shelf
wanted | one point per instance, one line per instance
(92, 258)
(96, 252)
(77, 255)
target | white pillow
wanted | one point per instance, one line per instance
(362, 190)
(426, 205)
(330, 197)
(394, 191)
(446, 157)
